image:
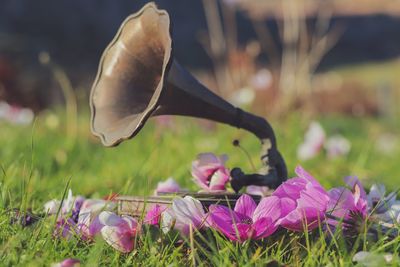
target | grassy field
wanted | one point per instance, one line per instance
(37, 161)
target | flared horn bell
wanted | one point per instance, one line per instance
(131, 76)
(139, 78)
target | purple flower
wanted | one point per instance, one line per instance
(70, 262)
(168, 186)
(348, 204)
(304, 201)
(185, 213)
(88, 221)
(247, 220)
(209, 172)
(118, 232)
(153, 216)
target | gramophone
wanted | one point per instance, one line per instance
(139, 78)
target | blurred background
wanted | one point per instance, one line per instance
(315, 68)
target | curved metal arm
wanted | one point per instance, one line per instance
(275, 171)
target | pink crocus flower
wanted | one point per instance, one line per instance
(168, 186)
(70, 262)
(305, 201)
(153, 216)
(247, 220)
(88, 221)
(209, 172)
(184, 213)
(348, 204)
(313, 142)
(118, 232)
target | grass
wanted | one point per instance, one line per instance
(38, 161)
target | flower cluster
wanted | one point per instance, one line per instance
(299, 204)
(88, 218)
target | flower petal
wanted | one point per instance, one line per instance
(168, 186)
(291, 188)
(70, 262)
(119, 238)
(223, 219)
(153, 216)
(269, 207)
(109, 218)
(264, 227)
(351, 181)
(219, 179)
(245, 205)
(302, 173)
(188, 210)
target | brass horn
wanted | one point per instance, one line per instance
(139, 78)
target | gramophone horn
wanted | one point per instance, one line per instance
(139, 78)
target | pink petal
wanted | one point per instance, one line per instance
(109, 218)
(243, 231)
(118, 232)
(70, 262)
(291, 188)
(310, 197)
(189, 210)
(219, 180)
(95, 227)
(287, 206)
(168, 186)
(119, 238)
(302, 219)
(153, 216)
(305, 175)
(245, 205)
(222, 219)
(269, 207)
(340, 198)
(131, 222)
(264, 227)
(351, 181)
(206, 167)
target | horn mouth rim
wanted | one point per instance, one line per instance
(132, 129)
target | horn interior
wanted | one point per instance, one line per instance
(131, 75)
